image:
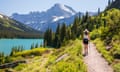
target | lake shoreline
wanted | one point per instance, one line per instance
(6, 45)
(21, 38)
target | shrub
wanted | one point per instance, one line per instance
(35, 51)
(20, 67)
(101, 48)
(72, 62)
(94, 34)
(116, 51)
(116, 67)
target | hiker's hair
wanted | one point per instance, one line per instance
(86, 33)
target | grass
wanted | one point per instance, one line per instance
(20, 67)
(35, 51)
(116, 67)
(44, 59)
(112, 56)
(71, 63)
(101, 48)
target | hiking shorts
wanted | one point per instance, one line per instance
(85, 41)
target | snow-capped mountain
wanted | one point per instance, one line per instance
(41, 20)
(67, 21)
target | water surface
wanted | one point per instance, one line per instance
(7, 44)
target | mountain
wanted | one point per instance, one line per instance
(114, 4)
(92, 13)
(67, 21)
(10, 28)
(39, 20)
(59, 13)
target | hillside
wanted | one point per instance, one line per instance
(67, 58)
(10, 28)
(107, 37)
(67, 54)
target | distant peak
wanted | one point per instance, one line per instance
(63, 7)
(58, 4)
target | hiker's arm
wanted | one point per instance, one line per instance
(89, 37)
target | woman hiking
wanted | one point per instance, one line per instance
(86, 39)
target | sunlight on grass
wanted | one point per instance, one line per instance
(70, 59)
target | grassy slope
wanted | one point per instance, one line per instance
(109, 35)
(109, 55)
(49, 59)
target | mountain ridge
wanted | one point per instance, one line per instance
(41, 20)
(58, 13)
(10, 28)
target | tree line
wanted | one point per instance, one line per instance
(64, 33)
(15, 49)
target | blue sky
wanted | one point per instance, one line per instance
(8, 7)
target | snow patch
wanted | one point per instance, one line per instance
(63, 7)
(57, 18)
(1, 16)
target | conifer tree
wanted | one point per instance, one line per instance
(57, 39)
(75, 27)
(63, 32)
(86, 17)
(68, 35)
(50, 37)
(109, 2)
(32, 46)
(45, 38)
(36, 46)
(98, 11)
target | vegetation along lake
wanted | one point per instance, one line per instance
(6, 45)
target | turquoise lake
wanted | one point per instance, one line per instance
(7, 44)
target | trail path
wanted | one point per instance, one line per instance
(95, 62)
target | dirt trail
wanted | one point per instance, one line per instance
(95, 62)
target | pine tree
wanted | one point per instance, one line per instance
(75, 27)
(86, 17)
(47, 37)
(104, 22)
(68, 36)
(73, 36)
(63, 32)
(98, 11)
(12, 51)
(57, 41)
(22, 48)
(109, 2)
(32, 46)
(112, 1)
(36, 46)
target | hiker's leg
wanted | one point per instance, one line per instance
(87, 48)
(84, 48)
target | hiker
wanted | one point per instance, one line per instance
(86, 39)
